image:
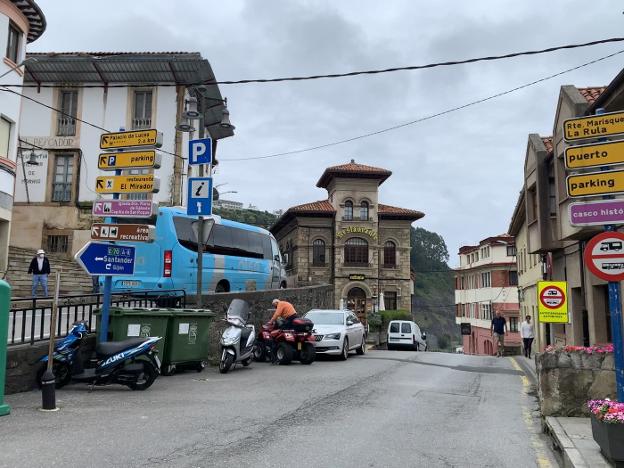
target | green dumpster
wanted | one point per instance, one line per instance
(5, 303)
(187, 339)
(138, 322)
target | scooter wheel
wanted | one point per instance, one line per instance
(146, 378)
(226, 362)
(246, 362)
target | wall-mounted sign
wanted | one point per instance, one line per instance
(595, 126)
(595, 183)
(52, 142)
(602, 154)
(357, 230)
(552, 301)
(596, 213)
(357, 277)
(466, 328)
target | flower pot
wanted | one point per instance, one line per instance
(610, 438)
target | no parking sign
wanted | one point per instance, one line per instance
(552, 301)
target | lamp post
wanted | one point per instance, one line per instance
(32, 161)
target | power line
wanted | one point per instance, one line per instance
(348, 74)
(421, 119)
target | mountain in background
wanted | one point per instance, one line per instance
(259, 218)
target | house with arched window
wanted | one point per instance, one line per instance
(350, 240)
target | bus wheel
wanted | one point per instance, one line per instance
(222, 287)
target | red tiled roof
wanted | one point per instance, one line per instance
(353, 169)
(320, 207)
(548, 143)
(387, 211)
(591, 94)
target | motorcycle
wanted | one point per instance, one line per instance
(132, 362)
(296, 344)
(237, 340)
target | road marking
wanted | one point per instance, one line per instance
(539, 447)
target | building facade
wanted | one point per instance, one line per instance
(21, 22)
(350, 240)
(71, 99)
(486, 282)
(549, 231)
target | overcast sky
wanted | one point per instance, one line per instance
(463, 170)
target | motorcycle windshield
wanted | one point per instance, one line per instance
(238, 309)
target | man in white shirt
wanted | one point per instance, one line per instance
(527, 334)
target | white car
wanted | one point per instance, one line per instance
(406, 335)
(337, 332)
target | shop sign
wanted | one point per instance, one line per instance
(357, 230)
(357, 277)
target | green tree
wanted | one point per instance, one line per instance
(429, 251)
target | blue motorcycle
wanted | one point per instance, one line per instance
(132, 362)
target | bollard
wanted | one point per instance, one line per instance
(5, 303)
(48, 391)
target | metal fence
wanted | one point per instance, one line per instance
(29, 318)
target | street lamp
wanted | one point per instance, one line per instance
(32, 161)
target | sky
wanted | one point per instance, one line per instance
(463, 170)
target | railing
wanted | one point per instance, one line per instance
(29, 318)
(66, 126)
(140, 124)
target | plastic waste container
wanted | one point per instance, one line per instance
(187, 340)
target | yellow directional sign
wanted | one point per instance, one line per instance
(595, 183)
(603, 154)
(127, 160)
(130, 139)
(127, 184)
(595, 126)
(552, 301)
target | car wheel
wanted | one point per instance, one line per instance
(345, 349)
(362, 348)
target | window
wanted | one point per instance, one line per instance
(511, 250)
(63, 178)
(14, 43)
(406, 327)
(142, 115)
(66, 119)
(390, 300)
(394, 327)
(356, 252)
(486, 311)
(318, 252)
(364, 211)
(513, 278)
(348, 211)
(5, 137)
(389, 258)
(486, 279)
(513, 324)
(58, 244)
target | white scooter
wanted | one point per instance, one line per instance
(237, 340)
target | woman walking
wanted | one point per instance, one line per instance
(527, 334)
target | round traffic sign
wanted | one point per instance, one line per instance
(552, 297)
(604, 256)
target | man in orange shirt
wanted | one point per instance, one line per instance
(284, 310)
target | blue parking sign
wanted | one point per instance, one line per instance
(199, 196)
(200, 151)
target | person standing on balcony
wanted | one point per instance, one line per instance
(40, 269)
(527, 334)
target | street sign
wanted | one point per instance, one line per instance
(595, 183)
(200, 151)
(131, 139)
(124, 208)
(595, 126)
(552, 301)
(123, 232)
(127, 184)
(106, 259)
(466, 328)
(199, 198)
(604, 256)
(602, 154)
(129, 160)
(596, 213)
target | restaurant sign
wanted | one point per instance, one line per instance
(357, 230)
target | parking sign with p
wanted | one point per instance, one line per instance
(200, 151)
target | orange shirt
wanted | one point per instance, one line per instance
(284, 309)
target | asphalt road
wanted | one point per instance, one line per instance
(385, 409)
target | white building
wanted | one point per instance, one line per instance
(228, 204)
(98, 92)
(21, 22)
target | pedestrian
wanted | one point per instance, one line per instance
(498, 329)
(40, 269)
(527, 334)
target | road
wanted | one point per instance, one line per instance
(384, 409)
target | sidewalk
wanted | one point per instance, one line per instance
(573, 438)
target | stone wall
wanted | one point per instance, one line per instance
(566, 380)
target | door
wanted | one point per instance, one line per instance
(356, 302)
(276, 266)
(353, 330)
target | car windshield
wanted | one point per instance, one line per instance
(326, 318)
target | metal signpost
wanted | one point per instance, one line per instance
(604, 254)
(199, 196)
(109, 259)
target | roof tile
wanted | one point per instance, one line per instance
(320, 207)
(591, 94)
(548, 143)
(353, 169)
(395, 211)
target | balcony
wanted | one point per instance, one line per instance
(65, 126)
(141, 124)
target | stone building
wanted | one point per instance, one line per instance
(350, 240)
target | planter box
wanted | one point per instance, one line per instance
(610, 438)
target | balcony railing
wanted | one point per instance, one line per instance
(66, 126)
(140, 124)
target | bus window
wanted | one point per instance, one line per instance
(184, 231)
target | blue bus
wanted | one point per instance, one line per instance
(237, 257)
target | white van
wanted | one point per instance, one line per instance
(406, 335)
